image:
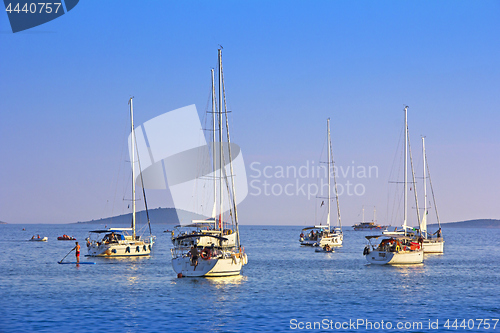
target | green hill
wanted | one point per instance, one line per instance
(482, 223)
(170, 216)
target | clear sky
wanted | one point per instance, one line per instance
(288, 65)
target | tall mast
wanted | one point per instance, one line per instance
(334, 179)
(423, 226)
(432, 191)
(414, 183)
(374, 214)
(214, 157)
(133, 165)
(232, 193)
(221, 164)
(406, 171)
(363, 210)
(329, 172)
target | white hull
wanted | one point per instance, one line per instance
(209, 267)
(44, 239)
(308, 242)
(125, 249)
(332, 240)
(433, 245)
(395, 258)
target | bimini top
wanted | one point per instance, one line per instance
(111, 230)
(202, 235)
(399, 237)
(195, 224)
(316, 227)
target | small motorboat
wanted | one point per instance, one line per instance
(324, 249)
(66, 237)
(39, 239)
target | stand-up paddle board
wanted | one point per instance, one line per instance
(78, 263)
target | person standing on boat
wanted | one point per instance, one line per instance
(194, 256)
(77, 253)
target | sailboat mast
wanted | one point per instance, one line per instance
(432, 191)
(214, 157)
(329, 173)
(363, 210)
(221, 164)
(406, 171)
(423, 226)
(414, 183)
(232, 193)
(339, 223)
(133, 165)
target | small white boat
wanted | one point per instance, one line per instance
(325, 249)
(39, 239)
(118, 242)
(394, 250)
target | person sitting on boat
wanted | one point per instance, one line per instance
(439, 233)
(38, 236)
(33, 237)
(194, 256)
(327, 248)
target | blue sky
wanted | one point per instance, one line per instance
(288, 66)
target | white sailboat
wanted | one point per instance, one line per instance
(325, 235)
(212, 247)
(432, 243)
(122, 242)
(397, 247)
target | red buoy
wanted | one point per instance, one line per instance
(179, 275)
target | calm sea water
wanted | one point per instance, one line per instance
(284, 287)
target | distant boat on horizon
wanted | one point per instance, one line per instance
(369, 226)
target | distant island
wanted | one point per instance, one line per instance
(3, 222)
(169, 216)
(482, 223)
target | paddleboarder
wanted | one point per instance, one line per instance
(77, 253)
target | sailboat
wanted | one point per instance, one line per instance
(212, 247)
(369, 226)
(397, 247)
(432, 243)
(122, 242)
(320, 235)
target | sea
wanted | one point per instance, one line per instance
(284, 287)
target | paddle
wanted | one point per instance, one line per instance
(67, 255)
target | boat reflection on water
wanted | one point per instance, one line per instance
(120, 260)
(228, 280)
(215, 281)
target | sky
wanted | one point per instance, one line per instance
(288, 66)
